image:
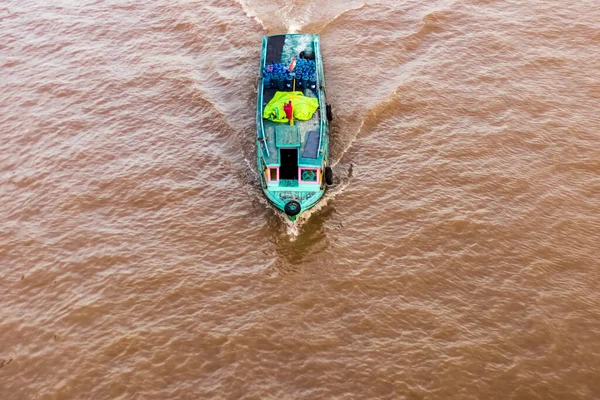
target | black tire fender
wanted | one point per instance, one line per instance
(329, 112)
(328, 176)
(292, 208)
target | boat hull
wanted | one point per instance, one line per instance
(292, 156)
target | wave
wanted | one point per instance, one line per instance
(321, 27)
(250, 13)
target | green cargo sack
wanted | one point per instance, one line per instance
(304, 107)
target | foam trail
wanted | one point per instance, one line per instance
(294, 228)
(294, 28)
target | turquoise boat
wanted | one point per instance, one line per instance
(292, 123)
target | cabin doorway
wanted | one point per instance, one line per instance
(289, 164)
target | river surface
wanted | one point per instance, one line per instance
(455, 257)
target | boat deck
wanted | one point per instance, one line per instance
(281, 49)
(308, 156)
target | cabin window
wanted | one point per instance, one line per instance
(309, 175)
(273, 174)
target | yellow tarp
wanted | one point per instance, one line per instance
(304, 107)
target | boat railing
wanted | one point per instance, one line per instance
(317, 52)
(259, 107)
(260, 121)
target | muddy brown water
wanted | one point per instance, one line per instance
(456, 256)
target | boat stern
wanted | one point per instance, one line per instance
(294, 203)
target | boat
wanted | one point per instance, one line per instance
(292, 123)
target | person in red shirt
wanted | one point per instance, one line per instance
(289, 111)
